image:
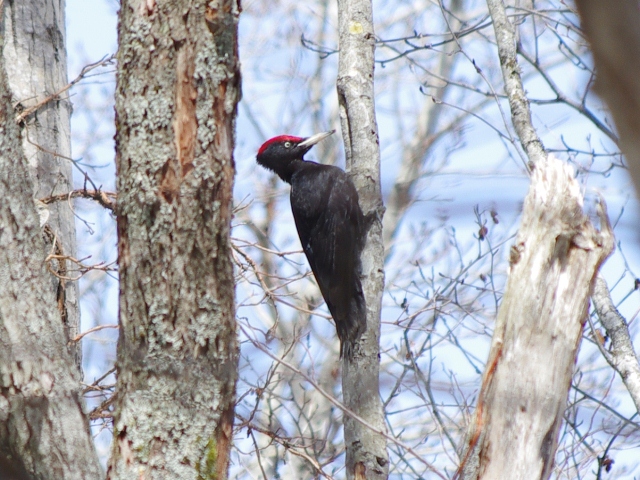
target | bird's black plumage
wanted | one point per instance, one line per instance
(331, 227)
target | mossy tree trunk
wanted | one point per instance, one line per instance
(178, 87)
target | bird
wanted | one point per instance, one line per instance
(331, 227)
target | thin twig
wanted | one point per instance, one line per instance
(92, 66)
(341, 406)
(91, 330)
(106, 199)
(291, 447)
(96, 382)
(83, 269)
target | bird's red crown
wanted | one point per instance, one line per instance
(281, 138)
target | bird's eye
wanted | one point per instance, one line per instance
(287, 144)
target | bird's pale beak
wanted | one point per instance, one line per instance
(312, 140)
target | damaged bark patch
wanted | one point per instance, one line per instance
(223, 136)
(185, 124)
(125, 447)
(169, 185)
(217, 17)
(224, 434)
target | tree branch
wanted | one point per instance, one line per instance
(520, 111)
(622, 357)
(106, 199)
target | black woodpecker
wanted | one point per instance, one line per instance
(331, 227)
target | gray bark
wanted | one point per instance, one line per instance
(553, 266)
(612, 30)
(177, 91)
(506, 40)
(526, 381)
(36, 63)
(44, 433)
(366, 450)
(621, 356)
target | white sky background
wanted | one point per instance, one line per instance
(477, 173)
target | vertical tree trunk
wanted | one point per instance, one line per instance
(554, 263)
(527, 377)
(366, 451)
(428, 130)
(178, 87)
(44, 433)
(36, 63)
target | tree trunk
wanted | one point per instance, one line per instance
(554, 263)
(44, 433)
(428, 130)
(36, 63)
(178, 87)
(366, 451)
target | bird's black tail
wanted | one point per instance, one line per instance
(352, 324)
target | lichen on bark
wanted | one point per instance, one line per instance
(177, 354)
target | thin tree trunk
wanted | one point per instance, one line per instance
(554, 263)
(366, 451)
(36, 63)
(44, 433)
(178, 87)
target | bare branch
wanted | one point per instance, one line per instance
(77, 338)
(343, 407)
(100, 63)
(520, 111)
(622, 357)
(291, 447)
(106, 199)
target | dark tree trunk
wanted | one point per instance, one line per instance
(178, 86)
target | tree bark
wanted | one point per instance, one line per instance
(36, 63)
(44, 433)
(554, 263)
(366, 451)
(518, 102)
(177, 92)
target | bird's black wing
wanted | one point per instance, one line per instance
(331, 229)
